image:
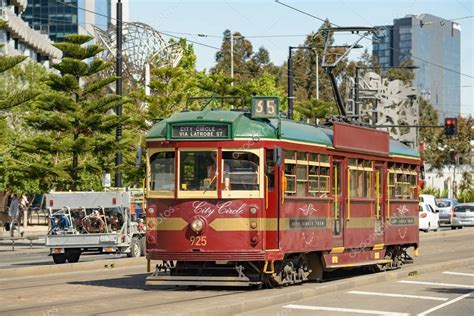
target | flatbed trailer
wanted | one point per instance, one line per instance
(92, 222)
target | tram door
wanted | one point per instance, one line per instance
(338, 202)
(379, 205)
(272, 200)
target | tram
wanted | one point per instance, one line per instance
(249, 198)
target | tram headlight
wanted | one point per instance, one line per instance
(197, 225)
(253, 210)
(151, 211)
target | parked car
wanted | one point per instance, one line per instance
(429, 199)
(463, 215)
(446, 210)
(428, 218)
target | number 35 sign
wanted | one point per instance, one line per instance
(265, 107)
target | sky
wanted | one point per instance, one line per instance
(268, 18)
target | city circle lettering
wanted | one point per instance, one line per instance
(222, 208)
(199, 131)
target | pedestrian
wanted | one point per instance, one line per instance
(13, 212)
(24, 205)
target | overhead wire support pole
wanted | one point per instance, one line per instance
(118, 91)
(232, 57)
(290, 84)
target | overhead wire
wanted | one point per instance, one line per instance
(366, 37)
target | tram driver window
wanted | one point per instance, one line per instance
(162, 171)
(240, 171)
(198, 171)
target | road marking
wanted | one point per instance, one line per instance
(438, 284)
(433, 298)
(446, 304)
(344, 310)
(459, 273)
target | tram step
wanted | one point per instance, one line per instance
(357, 264)
(199, 281)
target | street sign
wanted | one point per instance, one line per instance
(265, 107)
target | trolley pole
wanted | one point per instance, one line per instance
(118, 91)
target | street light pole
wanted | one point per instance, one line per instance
(356, 93)
(118, 91)
(317, 75)
(232, 57)
(290, 84)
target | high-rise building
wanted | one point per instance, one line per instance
(17, 38)
(60, 18)
(436, 44)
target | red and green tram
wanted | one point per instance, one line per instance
(247, 198)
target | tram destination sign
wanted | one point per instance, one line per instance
(200, 131)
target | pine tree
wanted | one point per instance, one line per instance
(171, 86)
(72, 120)
(315, 109)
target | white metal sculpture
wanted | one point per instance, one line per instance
(394, 103)
(142, 45)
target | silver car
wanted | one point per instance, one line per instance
(463, 215)
(445, 208)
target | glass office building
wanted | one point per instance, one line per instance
(60, 18)
(435, 41)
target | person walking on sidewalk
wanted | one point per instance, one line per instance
(13, 212)
(24, 204)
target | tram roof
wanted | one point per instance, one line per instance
(244, 127)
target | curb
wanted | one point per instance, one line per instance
(294, 293)
(72, 267)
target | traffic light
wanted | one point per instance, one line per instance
(450, 126)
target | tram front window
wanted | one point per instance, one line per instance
(162, 171)
(240, 171)
(198, 171)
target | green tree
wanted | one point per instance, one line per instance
(171, 86)
(19, 84)
(404, 74)
(315, 109)
(73, 126)
(304, 64)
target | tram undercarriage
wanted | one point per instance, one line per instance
(294, 269)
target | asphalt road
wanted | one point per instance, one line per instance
(123, 291)
(441, 293)
(43, 258)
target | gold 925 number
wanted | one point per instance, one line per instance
(198, 240)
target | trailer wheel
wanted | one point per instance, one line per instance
(59, 258)
(143, 246)
(73, 255)
(135, 250)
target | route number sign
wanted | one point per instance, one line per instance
(265, 107)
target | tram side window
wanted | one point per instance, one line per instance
(402, 183)
(240, 171)
(360, 172)
(162, 171)
(301, 173)
(307, 174)
(198, 171)
(318, 181)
